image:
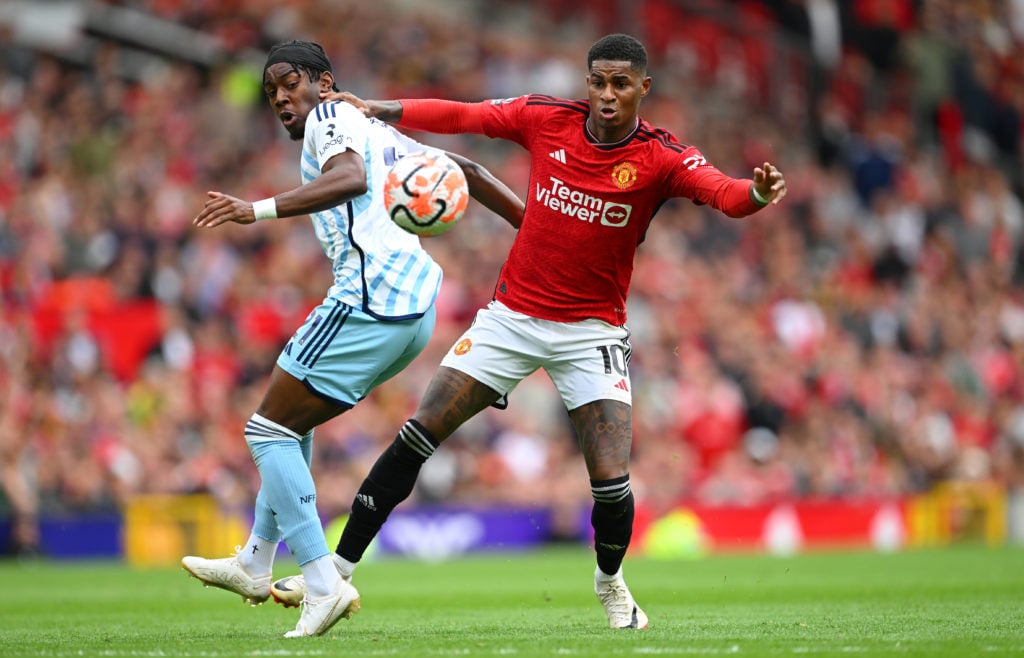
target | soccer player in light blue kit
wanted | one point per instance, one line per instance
(376, 318)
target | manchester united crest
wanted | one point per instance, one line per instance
(462, 346)
(624, 175)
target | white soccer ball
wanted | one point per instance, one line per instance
(426, 193)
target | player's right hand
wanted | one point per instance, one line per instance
(221, 208)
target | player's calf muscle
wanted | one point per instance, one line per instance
(605, 431)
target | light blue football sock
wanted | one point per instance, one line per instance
(265, 524)
(287, 488)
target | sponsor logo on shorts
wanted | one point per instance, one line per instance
(462, 347)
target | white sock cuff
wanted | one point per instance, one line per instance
(262, 429)
(345, 568)
(321, 576)
(257, 556)
(606, 578)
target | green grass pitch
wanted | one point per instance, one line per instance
(963, 601)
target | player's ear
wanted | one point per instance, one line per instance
(326, 81)
(645, 86)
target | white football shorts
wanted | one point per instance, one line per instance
(586, 361)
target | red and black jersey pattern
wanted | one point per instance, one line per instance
(589, 204)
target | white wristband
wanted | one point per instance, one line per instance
(265, 209)
(753, 190)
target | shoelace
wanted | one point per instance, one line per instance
(302, 613)
(616, 598)
(308, 605)
(234, 556)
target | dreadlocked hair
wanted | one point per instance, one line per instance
(306, 56)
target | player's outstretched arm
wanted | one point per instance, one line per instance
(343, 177)
(390, 111)
(486, 188)
(769, 183)
(483, 185)
(432, 115)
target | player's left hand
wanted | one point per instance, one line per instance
(221, 208)
(344, 96)
(769, 183)
(390, 111)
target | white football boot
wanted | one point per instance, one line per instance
(227, 573)
(319, 615)
(622, 610)
(290, 590)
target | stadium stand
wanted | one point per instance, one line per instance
(865, 341)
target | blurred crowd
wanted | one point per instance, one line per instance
(863, 339)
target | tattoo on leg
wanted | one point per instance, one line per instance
(451, 399)
(605, 431)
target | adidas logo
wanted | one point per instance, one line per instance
(558, 155)
(367, 501)
(622, 385)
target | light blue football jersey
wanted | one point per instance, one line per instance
(378, 267)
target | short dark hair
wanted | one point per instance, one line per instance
(306, 56)
(619, 48)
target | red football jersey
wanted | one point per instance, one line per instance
(589, 203)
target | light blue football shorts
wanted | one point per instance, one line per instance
(342, 353)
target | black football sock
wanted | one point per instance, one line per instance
(390, 481)
(612, 519)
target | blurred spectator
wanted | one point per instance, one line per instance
(867, 341)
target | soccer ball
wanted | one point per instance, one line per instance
(289, 591)
(426, 193)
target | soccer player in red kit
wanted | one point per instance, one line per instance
(598, 174)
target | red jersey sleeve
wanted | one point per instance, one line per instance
(438, 116)
(494, 118)
(695, 179)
